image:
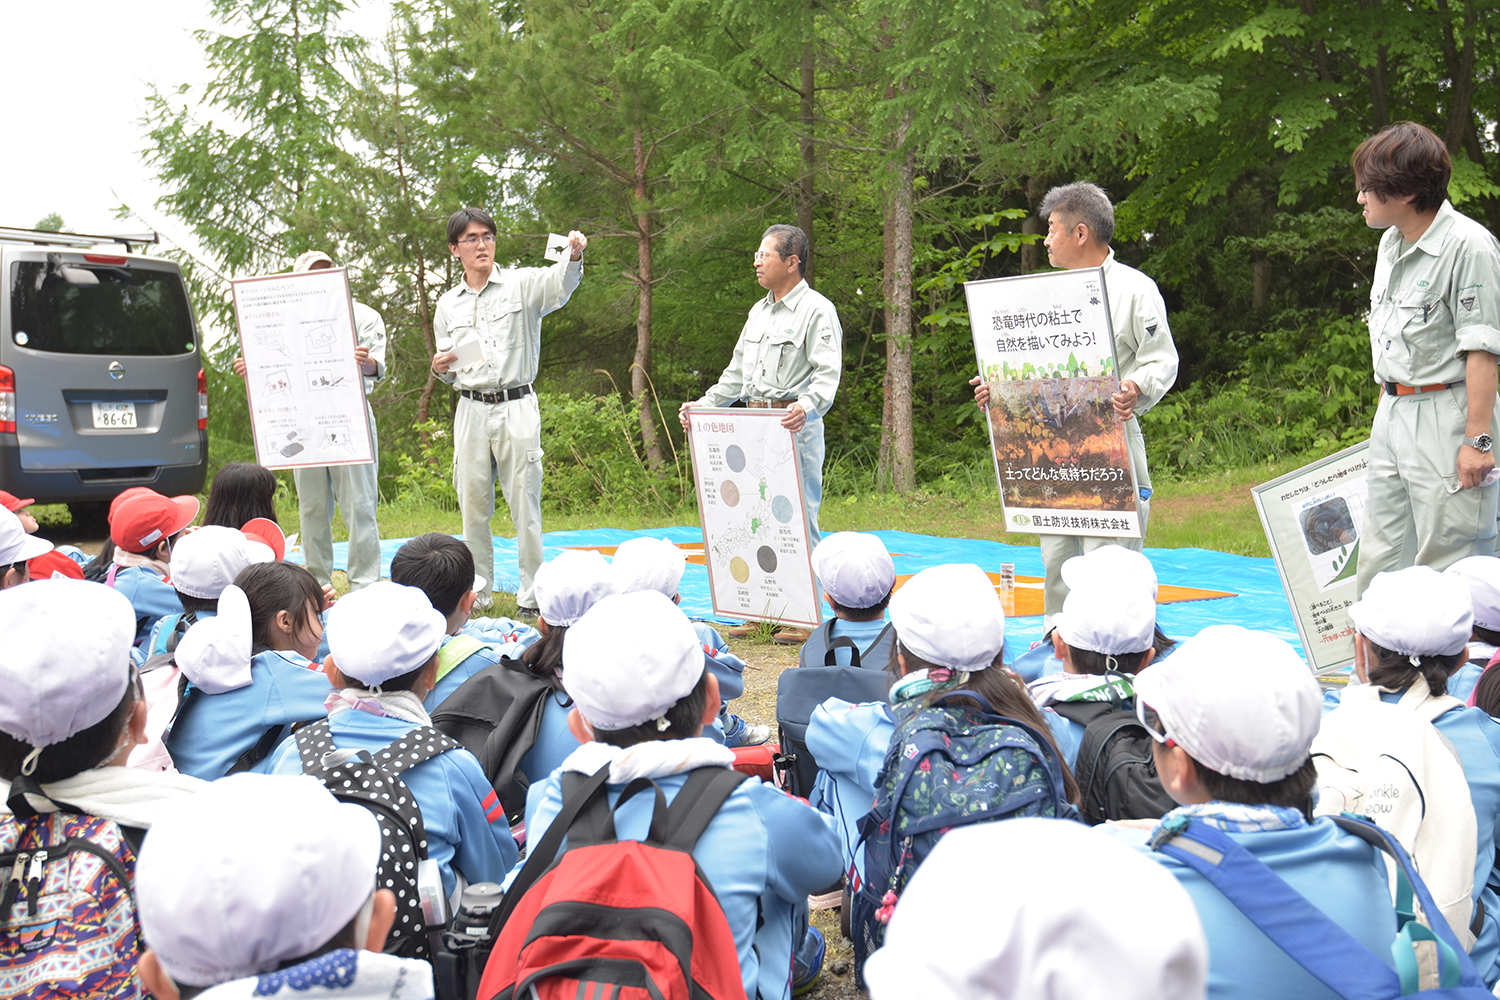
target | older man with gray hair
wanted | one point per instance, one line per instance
(1080, 224)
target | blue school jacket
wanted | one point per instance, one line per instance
(1339, 874)
(211, 731)
(554, 741)
(849, 742)
(763, 854)
(466, 826)
(150, 595)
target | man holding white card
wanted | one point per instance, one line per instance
(488, 330)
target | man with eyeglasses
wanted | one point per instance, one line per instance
(789, 357)
(497, 428)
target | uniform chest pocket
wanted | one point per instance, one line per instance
(502, 311)
(1418, 313)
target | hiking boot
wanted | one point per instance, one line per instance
(742, 631)
(807, 962)
(526, 614)
(740, 733)
(790, 636)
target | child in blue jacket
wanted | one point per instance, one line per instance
(1232, 716)
(143, 527)
(383, 641)
(1480, 575)
(442, 567)
(634, 667)
(252, 672)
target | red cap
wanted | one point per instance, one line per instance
(141, 521)
(13, 503)
(268, 533)
(44, 566)
(134, 491)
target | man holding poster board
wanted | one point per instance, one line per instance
(1080, 224)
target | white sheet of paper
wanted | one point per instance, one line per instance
(557, 247)
(470, 353)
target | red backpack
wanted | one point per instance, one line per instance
(624, 919)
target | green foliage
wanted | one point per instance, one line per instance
(50, 223)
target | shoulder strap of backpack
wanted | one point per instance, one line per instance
(422, 744)
(697, 803)
(456, 650)
(576, 797)
(816, 642)
(260, 751)
(830, 658)
(307, 738)
(179, 629)
(1082, 712)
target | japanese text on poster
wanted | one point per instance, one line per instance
(755, 536)
(1312, 518)
(1046, 350)
(307, 398)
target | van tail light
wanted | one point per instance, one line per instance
(7, 401)
(202, 402)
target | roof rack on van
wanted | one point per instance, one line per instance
(41, 236)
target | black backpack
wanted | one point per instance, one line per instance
(800, 691)
(373, 779)
(817, 651)
(496, 715)
(1116, 772)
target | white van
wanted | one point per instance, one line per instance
(101, 375)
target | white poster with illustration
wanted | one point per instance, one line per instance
(1046, 350)
(307, 397)
(1312, 518)
(755, 536)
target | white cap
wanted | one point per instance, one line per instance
(215, 653)
(308, 259)
(251, 871)
(1107, 619)
(569, 585)
(1240, 702)
(647, 564)
(65, 659)
(855, 568)
(15, 544)
(632, 657)
(950, 616)
(1415, 611)
(1058, 931)
(206, 561)
(1112, 564)
(382, 631)
(1481, 574)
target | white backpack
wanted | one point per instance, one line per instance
(1390, 763)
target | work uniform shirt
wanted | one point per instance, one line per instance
(506, 318)
(1144, 350)
(370, 334)
(1433, 302)
(789, 349)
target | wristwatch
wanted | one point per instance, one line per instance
(1481, 443)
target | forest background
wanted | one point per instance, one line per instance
(912, 140)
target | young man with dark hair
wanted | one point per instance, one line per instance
(789, 357)
(1435, 337)
(1080, 224)
(497, 429)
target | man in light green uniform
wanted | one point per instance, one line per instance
(1434, 337)
(1080, 224)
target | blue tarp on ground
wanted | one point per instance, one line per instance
(1260, 602)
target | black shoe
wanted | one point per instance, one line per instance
(526, 614)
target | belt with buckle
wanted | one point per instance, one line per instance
(503, 396)
(1397, 389)
(769, 404)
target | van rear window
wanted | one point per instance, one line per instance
(127, 311)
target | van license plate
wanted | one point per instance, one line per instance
(114, 415)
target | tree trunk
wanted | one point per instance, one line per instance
(1260, 278)
(901, 471)
(639, 387)
(806, 194)
(1033, 225)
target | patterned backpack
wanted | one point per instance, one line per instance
(68, 923)
(947, 766)
(373, 779)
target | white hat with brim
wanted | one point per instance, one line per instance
(1415, 611)
(1105, 619)
(1112, 565)
(648, 564)
(206, 561)
(250, 872)
(950, 616)
(1481, 575)
(383, 631)
(854, 568)
(572, 583)
(630, 659)
(16, 546)
(1238, 701)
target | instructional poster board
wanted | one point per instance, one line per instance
(1047, 351)
(755, 537)
(1312, 519)
(307, 397)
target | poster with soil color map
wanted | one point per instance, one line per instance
(755, 538)
(1047, 351)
